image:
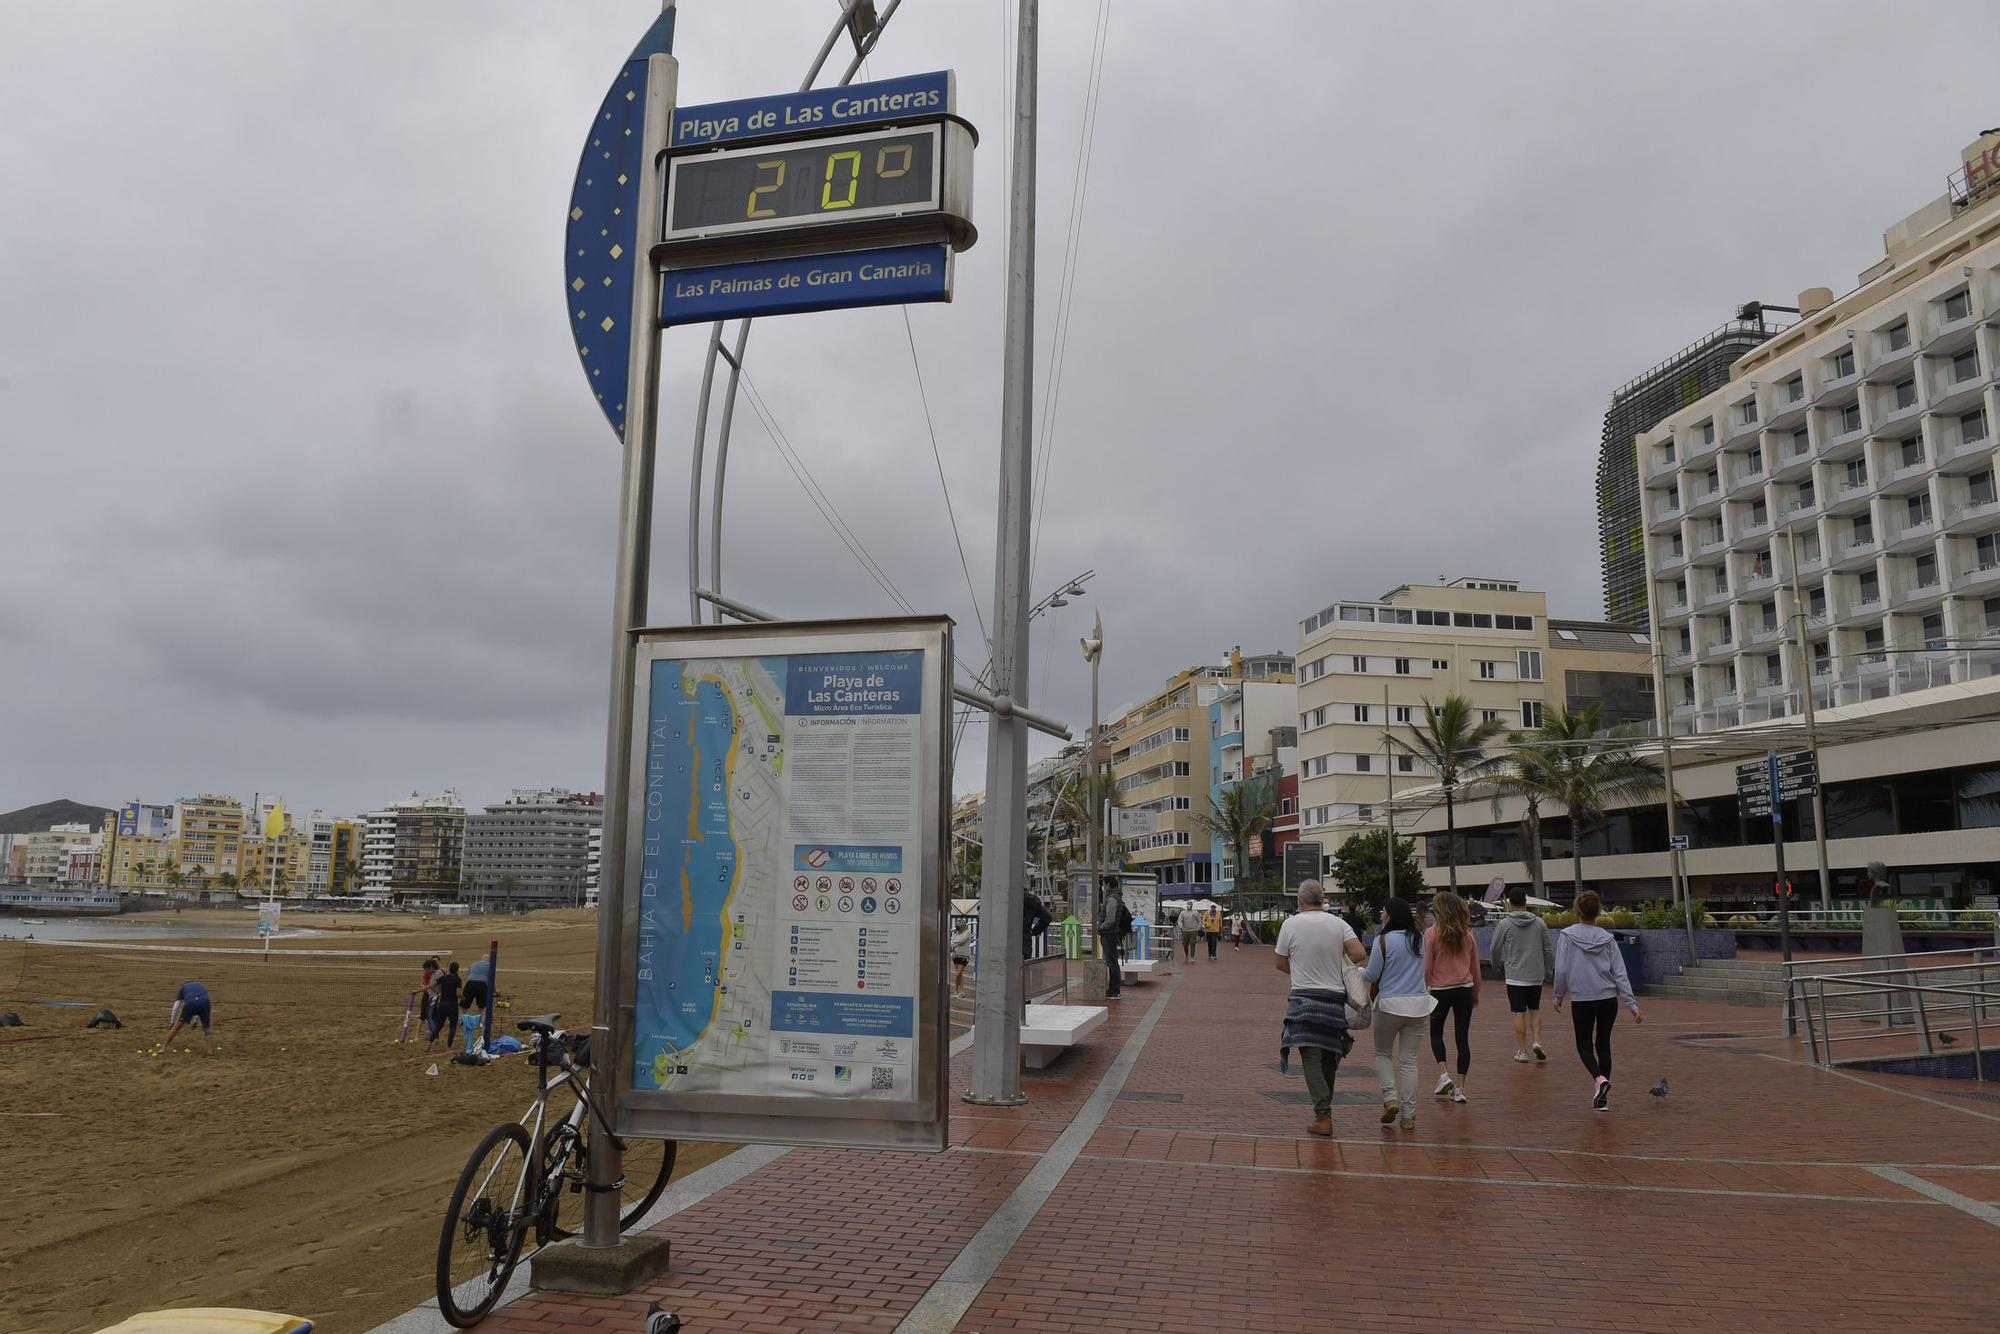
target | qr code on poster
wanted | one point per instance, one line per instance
(881, 1078)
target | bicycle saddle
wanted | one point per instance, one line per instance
(540, 1023)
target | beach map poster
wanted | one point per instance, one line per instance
(780, 945)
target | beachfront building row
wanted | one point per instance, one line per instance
(416, 844)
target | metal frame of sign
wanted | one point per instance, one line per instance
(920, 1122)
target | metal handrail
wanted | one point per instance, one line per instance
(1924, 1000)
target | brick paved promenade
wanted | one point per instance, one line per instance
(1161, 1179)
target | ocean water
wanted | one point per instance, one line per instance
(138, 928)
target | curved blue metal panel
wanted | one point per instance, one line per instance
(603, 213)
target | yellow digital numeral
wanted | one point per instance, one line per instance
(882, 171)
(852, 157)
(753, 211)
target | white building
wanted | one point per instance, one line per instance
(319, 854)
(1850, 458)
(535, 847)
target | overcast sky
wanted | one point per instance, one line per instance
(302, 490)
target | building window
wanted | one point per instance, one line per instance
(1760, 514)
(1489, 715)
(1708, 433)
(1957, 306)
(1317, 718)
(1406, 764)
(1920, 511)
(1850, 418)
(1906, 394)
(1360, 713)
(1753, 462)
(1361, 763)
(1287, 805)
(1972, 426)
(1440, 664)
(1979, 488)
(1801, 442)
(1965, 366)
(1927, 575)
(1795, 389)
(1840, 365)
(1856, 474)
(1531, 713)
(1405, 713)
(1934, 631)
(1528, 664)
(1747, 411)
(1898, 336)
(1868, 589)
(1402, 666)
(1360, 664)
(1912, 452)
(1864, 532)
(1487, 670)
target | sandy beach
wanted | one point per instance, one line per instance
(304, 1168)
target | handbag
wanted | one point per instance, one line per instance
(1360, 996)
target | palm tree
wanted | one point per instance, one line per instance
(1452, 743)
(1244, 812)
(1565, 761)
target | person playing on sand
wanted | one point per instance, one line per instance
(191, 1003)
(444, 1006)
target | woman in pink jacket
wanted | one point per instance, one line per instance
(1451, 971)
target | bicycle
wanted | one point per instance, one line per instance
(499, 1197)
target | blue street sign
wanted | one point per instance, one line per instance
(809, 112)
(887, 276)
(603, 226)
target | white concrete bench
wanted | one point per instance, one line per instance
(1050, 1030)
(1142, 970)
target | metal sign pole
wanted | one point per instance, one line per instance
(628, 613)
(996, 1050)
(1778, 848)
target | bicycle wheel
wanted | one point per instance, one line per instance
(484, 1225)
(647, 1164)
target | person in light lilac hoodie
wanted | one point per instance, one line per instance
(1591, 972)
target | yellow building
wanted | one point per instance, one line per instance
(1160, 767)
(211, 836)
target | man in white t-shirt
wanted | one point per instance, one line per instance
(1309, 950)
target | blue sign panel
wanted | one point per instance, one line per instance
(603, 227)
(822, 109)
(879, 277)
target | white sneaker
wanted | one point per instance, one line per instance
(1524, 1058)
(1443, 1090)
(1458, 1095)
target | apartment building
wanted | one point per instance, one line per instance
(533, 848)
(54, 856)
(415, 844)
(211, 833)
(1253, 731)
(1831, 515)
(1366, 668)
(140, 841)
(1639, 405)
(1159, 752)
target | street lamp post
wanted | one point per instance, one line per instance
(1093, 652)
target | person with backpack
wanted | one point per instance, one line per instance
(1590, 973)
(1403, 1007)
(1525, 954)
(1451, 971)
(1113, 921)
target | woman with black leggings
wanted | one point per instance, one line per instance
(1590, 972)
(1451, 971)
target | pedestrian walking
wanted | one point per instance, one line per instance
(1035, 921)
(1451, 971)
(425, 992)
(1113, 921)
(1590, 974)
(961, 955)
(1237, 930)
(1525, 954)
(1188, 923)
(1211, 927)
(1310, 948)
(1402, 1005)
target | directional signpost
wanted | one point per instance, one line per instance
(1762, 789)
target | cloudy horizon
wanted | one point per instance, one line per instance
(302, 491)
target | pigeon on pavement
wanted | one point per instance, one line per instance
(1659, 1090)
(1947, 1039)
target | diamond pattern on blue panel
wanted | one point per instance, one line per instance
(601, 236)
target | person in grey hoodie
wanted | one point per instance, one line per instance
(1525, 954)
(1590, 972)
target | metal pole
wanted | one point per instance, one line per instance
(1778, 850)
(996, 1048)
(1093, 651)
(1388, 811)
(722, 462)
(628, 612)
(1812, 736)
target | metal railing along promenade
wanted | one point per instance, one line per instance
(1897, 1006)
